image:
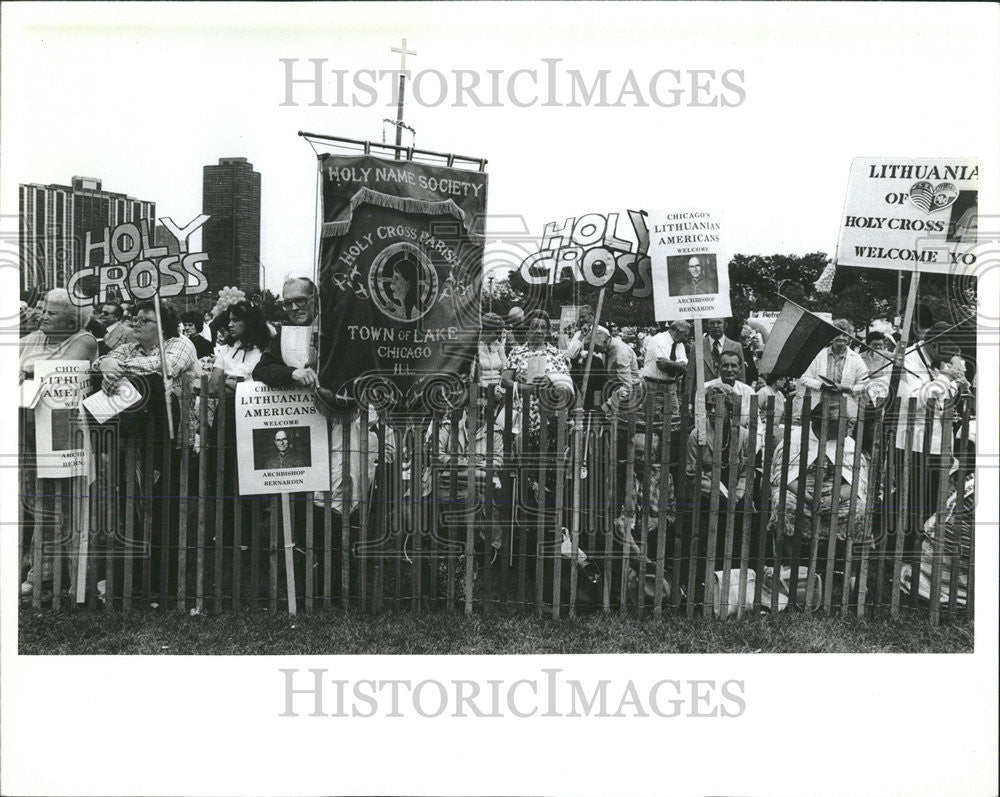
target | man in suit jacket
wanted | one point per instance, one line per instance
(115, 332)
(714, 342)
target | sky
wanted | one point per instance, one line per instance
(142, 96)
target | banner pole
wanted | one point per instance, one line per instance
(699, 370)
(904, 338)
(590, 353)
(163, 366)
(286, 522)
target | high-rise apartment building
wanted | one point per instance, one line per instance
(231, 236)
(54, 221)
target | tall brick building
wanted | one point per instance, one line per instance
(231, 236)
(54, 221)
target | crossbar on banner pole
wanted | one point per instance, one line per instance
(367, 145)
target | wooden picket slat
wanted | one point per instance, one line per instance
(203, 441)
(560, 497)
(147, 516)
(183, 504)
(735, 433)
(905, 512)
(346, 499)
(608, 455)
(363, 508)
(782, 505)
(859, 431)
(470, 486)
(128, 574)
(576, 463)
(765, 493)
(273, 550)
(541, 506)
(817, 502)
(959, 511)
(221, 455)
(713, 512)
(872, 515)
(628, 508)
(417, 512)
(751, 456)
(941, 501)
(663, 508)
(452, 509)
(107, 455)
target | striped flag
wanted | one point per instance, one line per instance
(795, 340)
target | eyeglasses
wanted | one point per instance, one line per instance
(138, 322)
(295, 304)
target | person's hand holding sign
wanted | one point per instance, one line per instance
(113, 372)
(306, 377)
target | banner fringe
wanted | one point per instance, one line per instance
(366, 196)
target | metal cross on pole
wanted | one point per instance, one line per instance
(403, 52)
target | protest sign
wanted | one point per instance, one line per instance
(591, 249)
(281, 441)
(568, 315)
(690, 265)
(123, 264)
(400, 271)
(763, 320)
(62, 385)
(911, 214)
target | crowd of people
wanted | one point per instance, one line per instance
(612, 370)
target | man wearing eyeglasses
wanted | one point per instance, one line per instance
(116, 333)
(277, 367)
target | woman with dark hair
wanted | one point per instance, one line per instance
(248, 338)
(234, 363)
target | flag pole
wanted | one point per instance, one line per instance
(163, 366)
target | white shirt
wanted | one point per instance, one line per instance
(745, 392)
(237, 361)
(660, 345)
(922, 380)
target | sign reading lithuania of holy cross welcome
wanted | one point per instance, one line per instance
(400, 270)
(912, 214)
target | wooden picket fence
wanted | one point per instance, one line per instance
(501, 529)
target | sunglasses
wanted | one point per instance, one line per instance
(295, 304)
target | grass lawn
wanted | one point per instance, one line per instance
(253, 633)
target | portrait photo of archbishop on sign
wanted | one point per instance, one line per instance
(694, 275)
(280, 449)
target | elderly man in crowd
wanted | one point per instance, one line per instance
(281, 365)
(665, 362)
(622, 369)
(116, 332)
(714, 343)
(729, 372)
(719, 401)
(836, 369)
(286, 366)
